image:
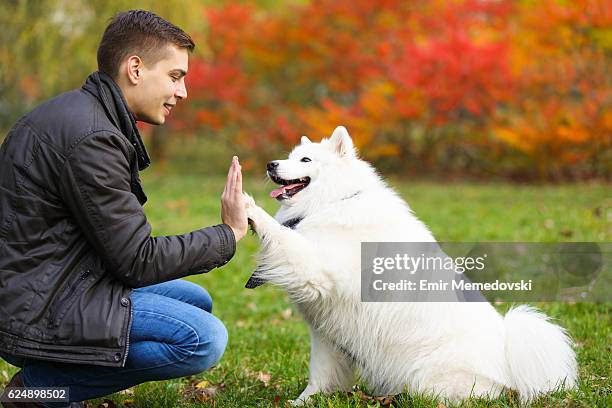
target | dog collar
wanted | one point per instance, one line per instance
(292, 223)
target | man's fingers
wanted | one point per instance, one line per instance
(231, 176)
(234, 185)
(234, 179)
(238, 185)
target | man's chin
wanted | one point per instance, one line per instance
(152, 121)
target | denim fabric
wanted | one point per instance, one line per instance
(173, 335)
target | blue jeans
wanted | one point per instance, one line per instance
(173, 335)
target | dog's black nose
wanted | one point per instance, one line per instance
(272, 165)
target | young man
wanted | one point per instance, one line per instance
(90, 301)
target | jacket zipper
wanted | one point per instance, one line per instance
(127, 341)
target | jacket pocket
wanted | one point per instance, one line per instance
(67, 296)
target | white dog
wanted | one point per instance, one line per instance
(331, 201)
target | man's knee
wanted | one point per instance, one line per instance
(185, 291)
(211, 346)
(196, 295)
(206, 301)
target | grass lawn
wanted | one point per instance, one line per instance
(266, 361)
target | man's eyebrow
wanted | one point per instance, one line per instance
(181, 72)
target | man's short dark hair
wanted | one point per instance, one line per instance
(138, 32)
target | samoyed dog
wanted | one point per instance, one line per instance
(331, 201)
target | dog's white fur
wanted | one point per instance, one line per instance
(454, 350)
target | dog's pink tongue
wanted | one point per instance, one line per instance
(275, 193)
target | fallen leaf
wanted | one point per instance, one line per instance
(441, 405)
(598, 211)
(386, 401)
(566, 232)
(202, 384)
(361, 395)
(128, 402)
(286, 314)
(264, 378)
(203, 394)
(127, 391)
(210, 391)
(252, 306)
(383, 401)
(107, 404)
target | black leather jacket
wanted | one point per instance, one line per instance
(74, 239)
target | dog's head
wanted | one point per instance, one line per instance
(319, 171)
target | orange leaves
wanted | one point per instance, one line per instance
(564, 88)
(575, 134)
(375, 101)
(516, 138)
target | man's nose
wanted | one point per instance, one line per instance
(271, 166)
(181, 90)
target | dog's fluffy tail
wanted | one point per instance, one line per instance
(539, 353)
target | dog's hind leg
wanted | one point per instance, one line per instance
(330, 370)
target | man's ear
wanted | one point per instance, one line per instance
(134, 69)
(305, 140)
(341, 142)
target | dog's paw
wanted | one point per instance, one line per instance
(250, 206)
(304, 398)
(249, 202)
(251, 210)
(299, 402)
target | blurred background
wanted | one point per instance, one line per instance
(479, 89)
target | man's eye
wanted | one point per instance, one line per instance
(305, 159)
(174, 79)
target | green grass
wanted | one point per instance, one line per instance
(266, 361)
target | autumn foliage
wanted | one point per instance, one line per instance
(515, 88)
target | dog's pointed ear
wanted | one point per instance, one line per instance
(305, 140)
(341, 142)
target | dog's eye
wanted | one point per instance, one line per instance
(305, 159)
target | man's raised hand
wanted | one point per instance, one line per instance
(233, 212)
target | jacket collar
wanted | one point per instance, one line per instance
(110, 96)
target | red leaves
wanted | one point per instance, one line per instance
(454, 74)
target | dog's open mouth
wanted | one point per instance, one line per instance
(288, 188)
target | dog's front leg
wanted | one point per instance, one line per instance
(287, 258)
(330, 370)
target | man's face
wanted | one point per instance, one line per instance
(161, 85)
